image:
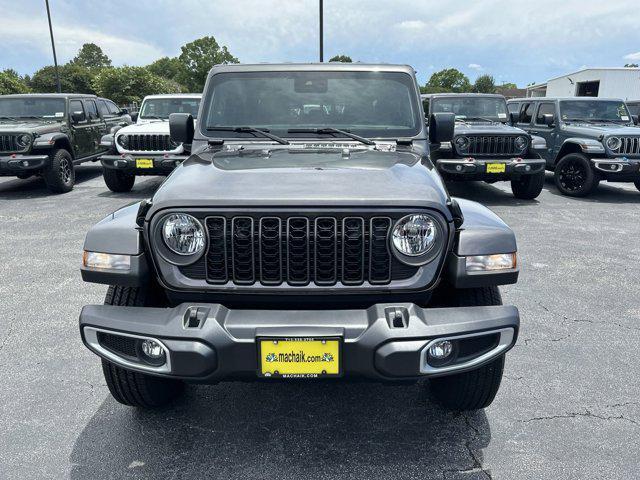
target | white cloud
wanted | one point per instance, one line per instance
(632, 56)
(476, 66)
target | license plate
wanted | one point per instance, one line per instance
(299, 357)
(144, 163)
(496, 168)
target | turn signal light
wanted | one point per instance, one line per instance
(500, 261)
(106, 261)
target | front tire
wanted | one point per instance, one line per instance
(528, 187)
(476, 388)
(574, 176)
(133, 388)
(637, 184)
(118, 181)
(60, 175)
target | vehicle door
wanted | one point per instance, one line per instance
(548, 132)
(121, 118)
(81, 128)
(98, 125)
(526, 116)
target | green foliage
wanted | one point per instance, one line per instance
(631, 65)
(73, 79)
(341, 58)
(446, 81)
(91, 55)
(11, 82)
(166, 67)
(198, 57)
(484, 84)
(125, 85)
(508, 85)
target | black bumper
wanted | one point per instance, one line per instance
(162, 164)
(11, 165)
(383, 342)
(617, 169)
(471, 168)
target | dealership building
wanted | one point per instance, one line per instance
(619, 82)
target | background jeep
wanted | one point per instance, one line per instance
(308, 235)
(485, 146)
(47, 134)
(145, 148)
(587, 140)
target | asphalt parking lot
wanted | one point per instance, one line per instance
(568, 408)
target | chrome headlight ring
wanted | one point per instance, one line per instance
(461, 143)
(521, 143)
(416, 239)
(24, 141)
(613, 143)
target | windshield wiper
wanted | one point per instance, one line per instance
(7, 117)
(154, 117)
(331, 130)
(259, 131)
(484, 119)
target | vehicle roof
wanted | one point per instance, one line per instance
(50, 95)
(174, 95)
(468, 94)
(553, 99)
(327, 66)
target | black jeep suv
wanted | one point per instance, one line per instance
(47, 134)
(485, 145)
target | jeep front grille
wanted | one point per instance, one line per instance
(9, 143)
(298, 250)
(629, 146)
(149, 143)
(491, 145)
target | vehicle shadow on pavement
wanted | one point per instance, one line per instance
(34, 187)
(143, 188)
(487, 194)
(285, 430)
(605, 193)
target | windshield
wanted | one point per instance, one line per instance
(162, 107)
(50, 108)
(594, 111)
(369, 104)
(492, 109)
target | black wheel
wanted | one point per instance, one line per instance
(637, 184)
(118, 181)
(477, 388)
(574, 176)
(59, 175)
(23, 176)
(133, 388)
(528, 187)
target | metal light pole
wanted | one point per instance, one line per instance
(53, 46)
(321, 33)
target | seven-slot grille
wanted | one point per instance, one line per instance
(298, 250)
(629, 146)
(149, 143)
(491, 145)
(9, 143)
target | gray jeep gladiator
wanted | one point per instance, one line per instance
(308, 235)
(587, 140)
(48, 134)
(486, 146)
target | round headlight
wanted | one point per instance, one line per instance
(613, 143)
(183, 234)
(462, 143)
(414, 235)
(24, 140)
(521, 143)
(123, 141)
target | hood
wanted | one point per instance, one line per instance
(595, 131)
(303, 178)
(155, 127)
(29, 126)
(464, 128)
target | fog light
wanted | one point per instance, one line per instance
(440, 349)
(152, 349)
(25, 163)
(527, 168)
(458, 168)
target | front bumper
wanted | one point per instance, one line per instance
(18, 163)
(471, 168)
(207, 343)
(623, 167)
(162, 164)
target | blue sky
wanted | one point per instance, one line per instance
(516, 41)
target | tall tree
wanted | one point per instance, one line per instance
(198, 57)
(447, 80)
(73, 79)
(167, 67)
(91, 56)
(485, 84)
(631, 65)
(341, 58)
(11, 82)
(125, 85)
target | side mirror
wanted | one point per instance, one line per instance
(77, 117)
(181, 127)
(514, 117)
(124, 111)
(548, 120)
(441, 126)
(635, 119)
(134, 116)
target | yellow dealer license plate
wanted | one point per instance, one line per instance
(496, 168)
(299, 357)
(144, 163)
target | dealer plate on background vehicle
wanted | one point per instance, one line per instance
(496, 168)
(144, 163)
(299, 357)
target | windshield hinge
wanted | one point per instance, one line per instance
(404, 141)
(215, 143)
